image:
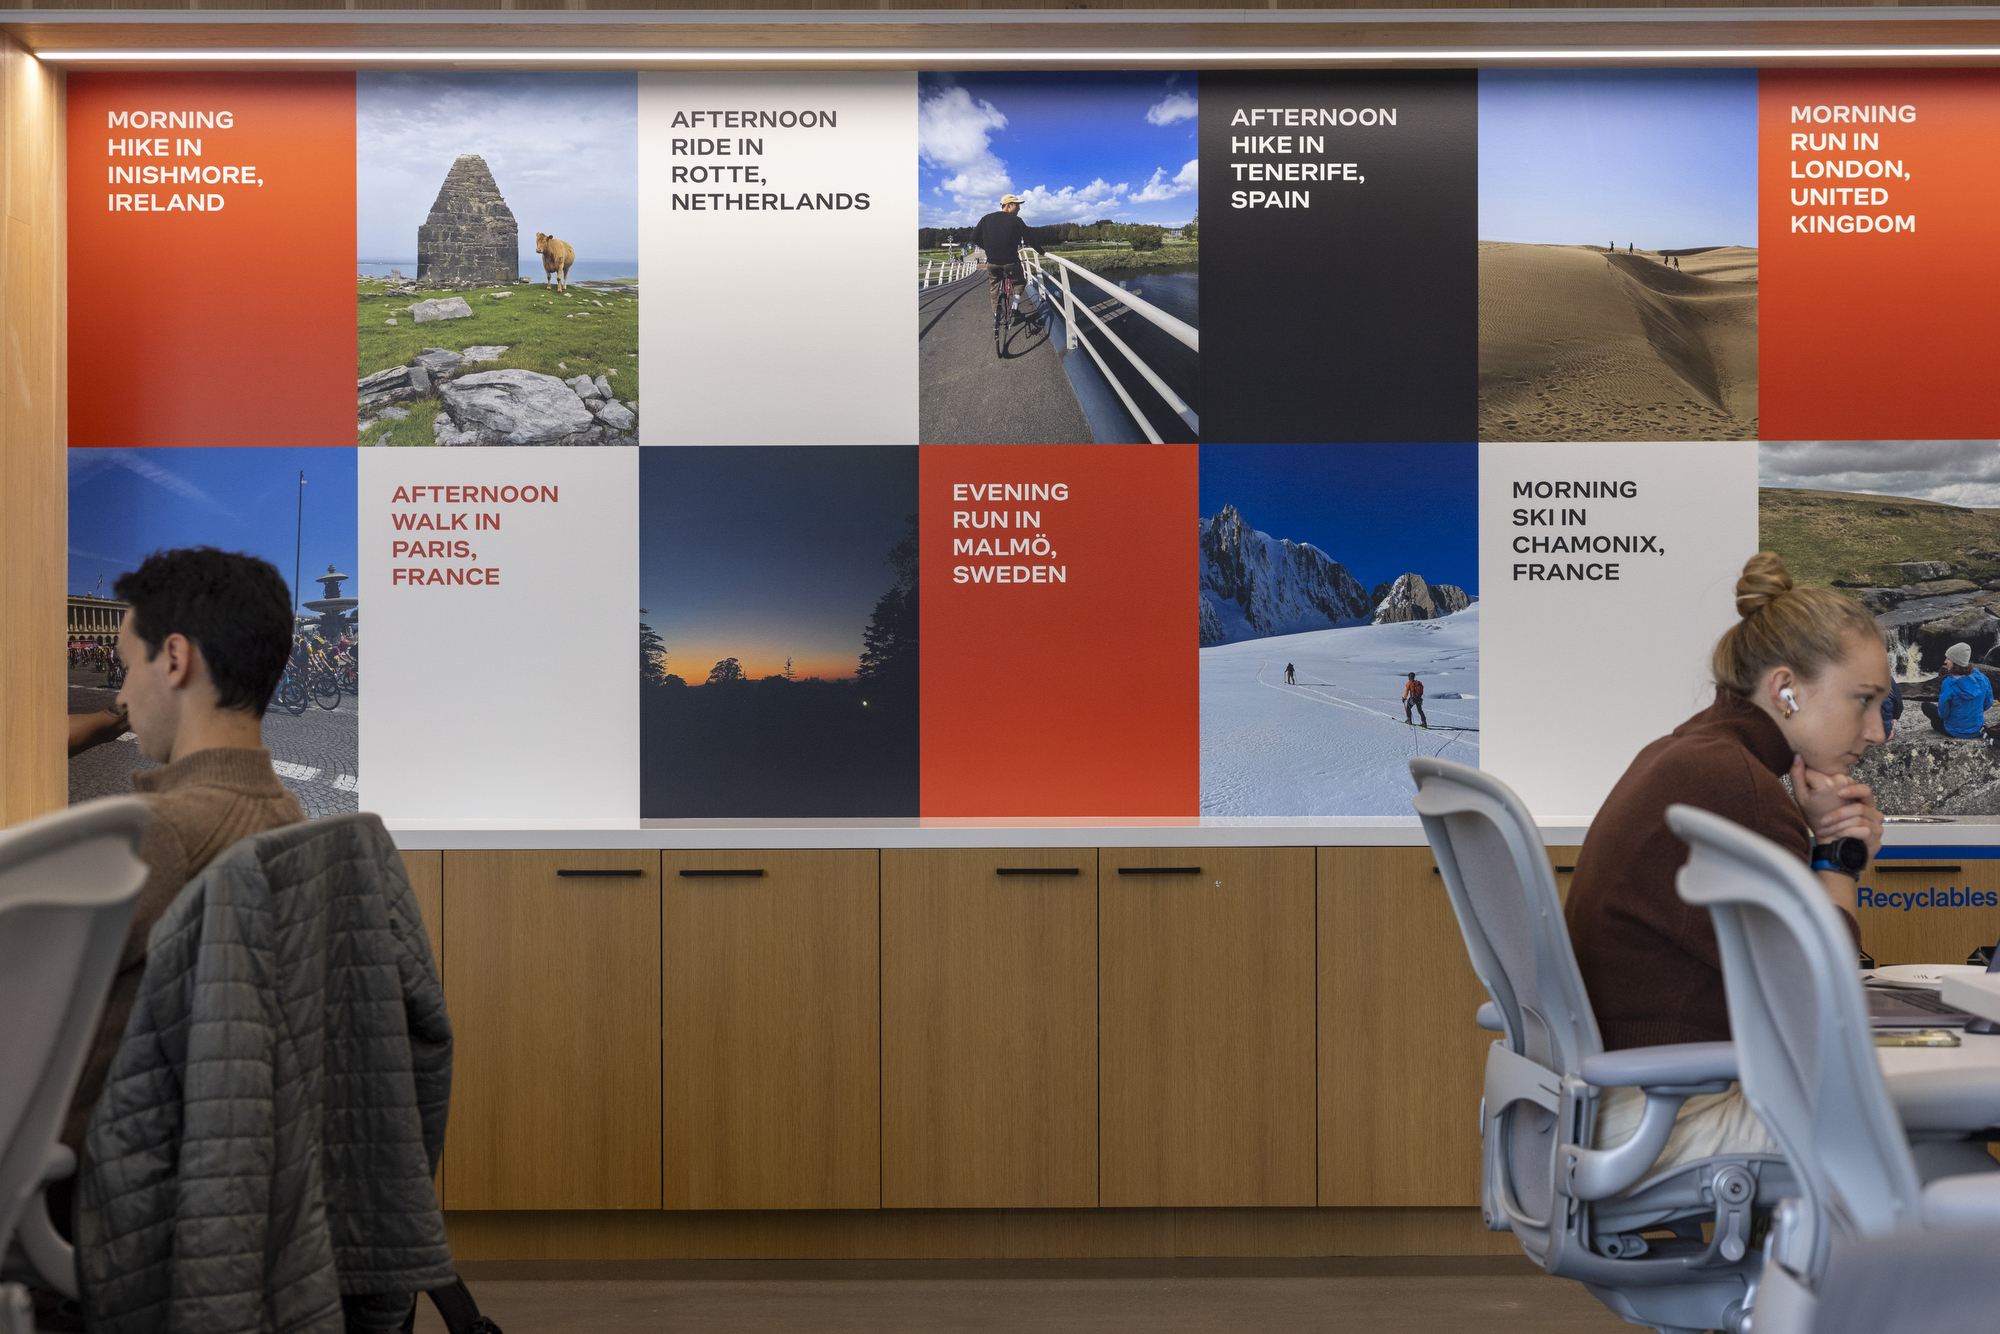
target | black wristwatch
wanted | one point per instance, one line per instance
(1845, 855)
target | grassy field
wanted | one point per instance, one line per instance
(581, 332)
(1857, 539)
(1099, 256)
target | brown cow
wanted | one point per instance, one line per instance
(557, 256)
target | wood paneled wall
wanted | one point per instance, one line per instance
(33, 490)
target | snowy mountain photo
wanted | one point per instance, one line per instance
(1322, 677)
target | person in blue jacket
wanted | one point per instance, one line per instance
(1963, 698)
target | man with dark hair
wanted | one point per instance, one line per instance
(204, 644)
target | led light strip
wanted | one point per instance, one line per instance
(1205, 57)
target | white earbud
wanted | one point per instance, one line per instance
(1791, 701)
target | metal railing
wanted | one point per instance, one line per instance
(938, 272)
(1056, 289)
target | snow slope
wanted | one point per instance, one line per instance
(1334, 743)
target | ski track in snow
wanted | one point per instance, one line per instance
(1334, 743)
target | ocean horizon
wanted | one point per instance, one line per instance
(591, 270)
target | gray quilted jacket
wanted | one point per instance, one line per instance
(267, 1136)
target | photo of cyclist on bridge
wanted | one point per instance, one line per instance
(1072, 202)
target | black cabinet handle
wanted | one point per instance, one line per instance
(731, 870)
(602, 873)
(1038, 870)
(1159, 870)
(1890, 868)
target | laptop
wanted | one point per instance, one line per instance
(1910, 1007)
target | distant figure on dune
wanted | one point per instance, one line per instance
(1288, 675)
(557, 257)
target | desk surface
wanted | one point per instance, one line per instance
(1945, 1088)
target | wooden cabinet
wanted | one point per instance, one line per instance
(989, 1028)
(1402, 1064)
(426, 872)
(554, 985)
(1206, 1000)
(1892, 933)
(772, 1074)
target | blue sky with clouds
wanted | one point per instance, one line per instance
(125, 504)
(1380, 510)
(1078, 147)
(563, 148)
(1664, 158)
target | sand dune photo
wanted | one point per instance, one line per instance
(1617, 254)
(1583, 343)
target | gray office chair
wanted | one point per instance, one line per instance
(1912, 1283)
(1807, 1053)
(1577, 1210)
(68, 885)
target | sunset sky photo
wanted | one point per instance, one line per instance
(763, 553)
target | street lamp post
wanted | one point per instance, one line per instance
(298, 539)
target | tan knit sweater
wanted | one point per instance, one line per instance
(201, 804)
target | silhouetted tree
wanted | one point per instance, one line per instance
(889, 643)
(652, 654)
(725, 671)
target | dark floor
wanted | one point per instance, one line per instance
(1501, 1295)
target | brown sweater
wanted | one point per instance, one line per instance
(1650, 962)
(201, 804)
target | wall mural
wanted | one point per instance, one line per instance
(1505, 374)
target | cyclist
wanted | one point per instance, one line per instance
(1001, 235)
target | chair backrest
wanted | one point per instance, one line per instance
(68, 885)
(1804, 1044)
(1503, 892)
(1911, 1283)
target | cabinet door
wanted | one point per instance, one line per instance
(1402, 1064)
(426, 871)
(1207, 1026)
(1936, 931)
(773, 1077)
(989, 1029)
(554, 989)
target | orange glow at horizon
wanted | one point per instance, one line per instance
(692, 663)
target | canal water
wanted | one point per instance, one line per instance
(1177, 292)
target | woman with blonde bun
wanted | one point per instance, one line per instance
(1799, 684)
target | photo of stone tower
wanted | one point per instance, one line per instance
(469, 239)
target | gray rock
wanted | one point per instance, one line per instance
(364, 423)
(593, 405)
(395, 414)
(1408, 598)
(388, 321)
(470, 238)
(617, 416)
(1449, 598)
(1917, 571)
(395, 385)
(583, 386)
(439, 360)
(515, 407)
(604, 386)
(497, 295)
(446, 433)
(1921, 772)
(441, 308)
(483, 352)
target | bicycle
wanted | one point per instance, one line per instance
(1005, 317)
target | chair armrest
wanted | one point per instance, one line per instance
(1964, 1201)
(52, 1257)
(1487, 1016)
(1682, 1065)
